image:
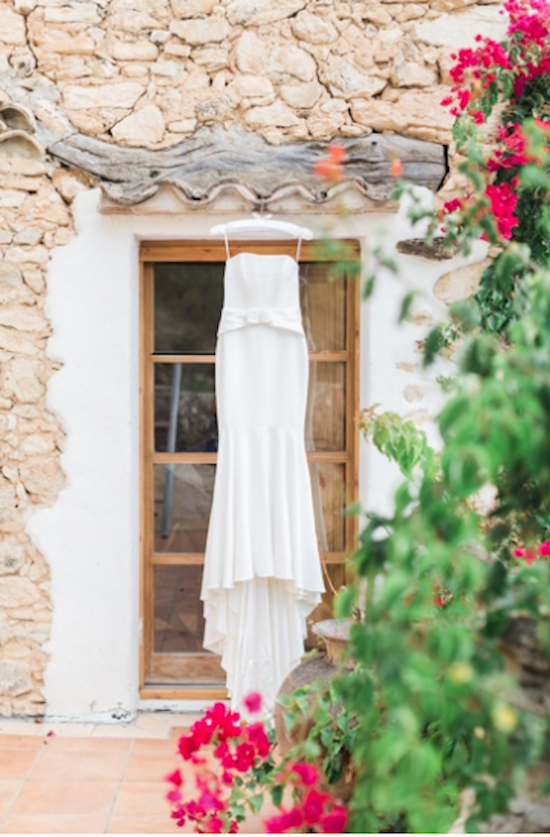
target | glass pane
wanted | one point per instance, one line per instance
(183, 497)
(329, 500)
(323, 301)
(188, 303)
(325, 415)
(185, 407)
(179, 620)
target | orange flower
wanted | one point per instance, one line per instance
(330, 168)
(396, 168)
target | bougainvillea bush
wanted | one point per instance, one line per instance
(438, 713)
(234, 770)
(513, 76)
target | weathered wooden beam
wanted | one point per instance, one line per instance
(214, 159)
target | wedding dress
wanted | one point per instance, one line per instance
(262, 573)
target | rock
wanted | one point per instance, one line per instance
(419, 417)
(192, 8)
(144, 127)
(301, 95)
(214, 108)
(252, 90)
(451, 5)
(38, 443)
(374, 13)
(12, 341)
(123, 94)
(134, 51)
(313, 29)
(17, 592)
(461, 283)
(42, 476)
(260, 12)
(21, 380)
(184, 126)
(258, 57)
(23, 319)
(34, 255)
(73, 13)
(14, 678)
(412, 393)
(34, 277)
(416, 114)
(460, 29)
(324, 126)
(12, 27)
(211, 58)
(134, 17)
(411, 11)
(69, 182)
(344, 79)
(11, 198)
(29, 236)
(277, 115)
(198, 32)
(12, 557)
(412, 72)
(10, 274)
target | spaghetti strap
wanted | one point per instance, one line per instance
(226, 245)
(298, 249)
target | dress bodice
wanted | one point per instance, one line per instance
(261, 290)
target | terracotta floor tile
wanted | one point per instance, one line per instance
(20, 742)
(60, 798)
(146, 825)
(53, 825)
(155, 745)
(153, 766)
(252, 825)
(18, 727)
(177, 732)
(66, 729)
(15, 764)
(55, 765)
(88, 745)
(142, 799)
(9, 788)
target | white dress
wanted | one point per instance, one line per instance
(262, 573)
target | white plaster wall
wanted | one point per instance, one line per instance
(91, 535)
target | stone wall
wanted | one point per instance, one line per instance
(149, 73)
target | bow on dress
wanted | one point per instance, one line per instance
(287, 318)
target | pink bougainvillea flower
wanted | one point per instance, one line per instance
(308, 773)
(50, 733)
(174, 778)
(287, 820)
(257, 736)
(334, 822)
(174, 795)
(518, 552)
(313, 806)
(544, 549)
(253, 702)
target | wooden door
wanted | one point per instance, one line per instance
(181, 301)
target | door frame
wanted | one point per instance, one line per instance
(152, 252)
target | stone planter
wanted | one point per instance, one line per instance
(323, 667)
